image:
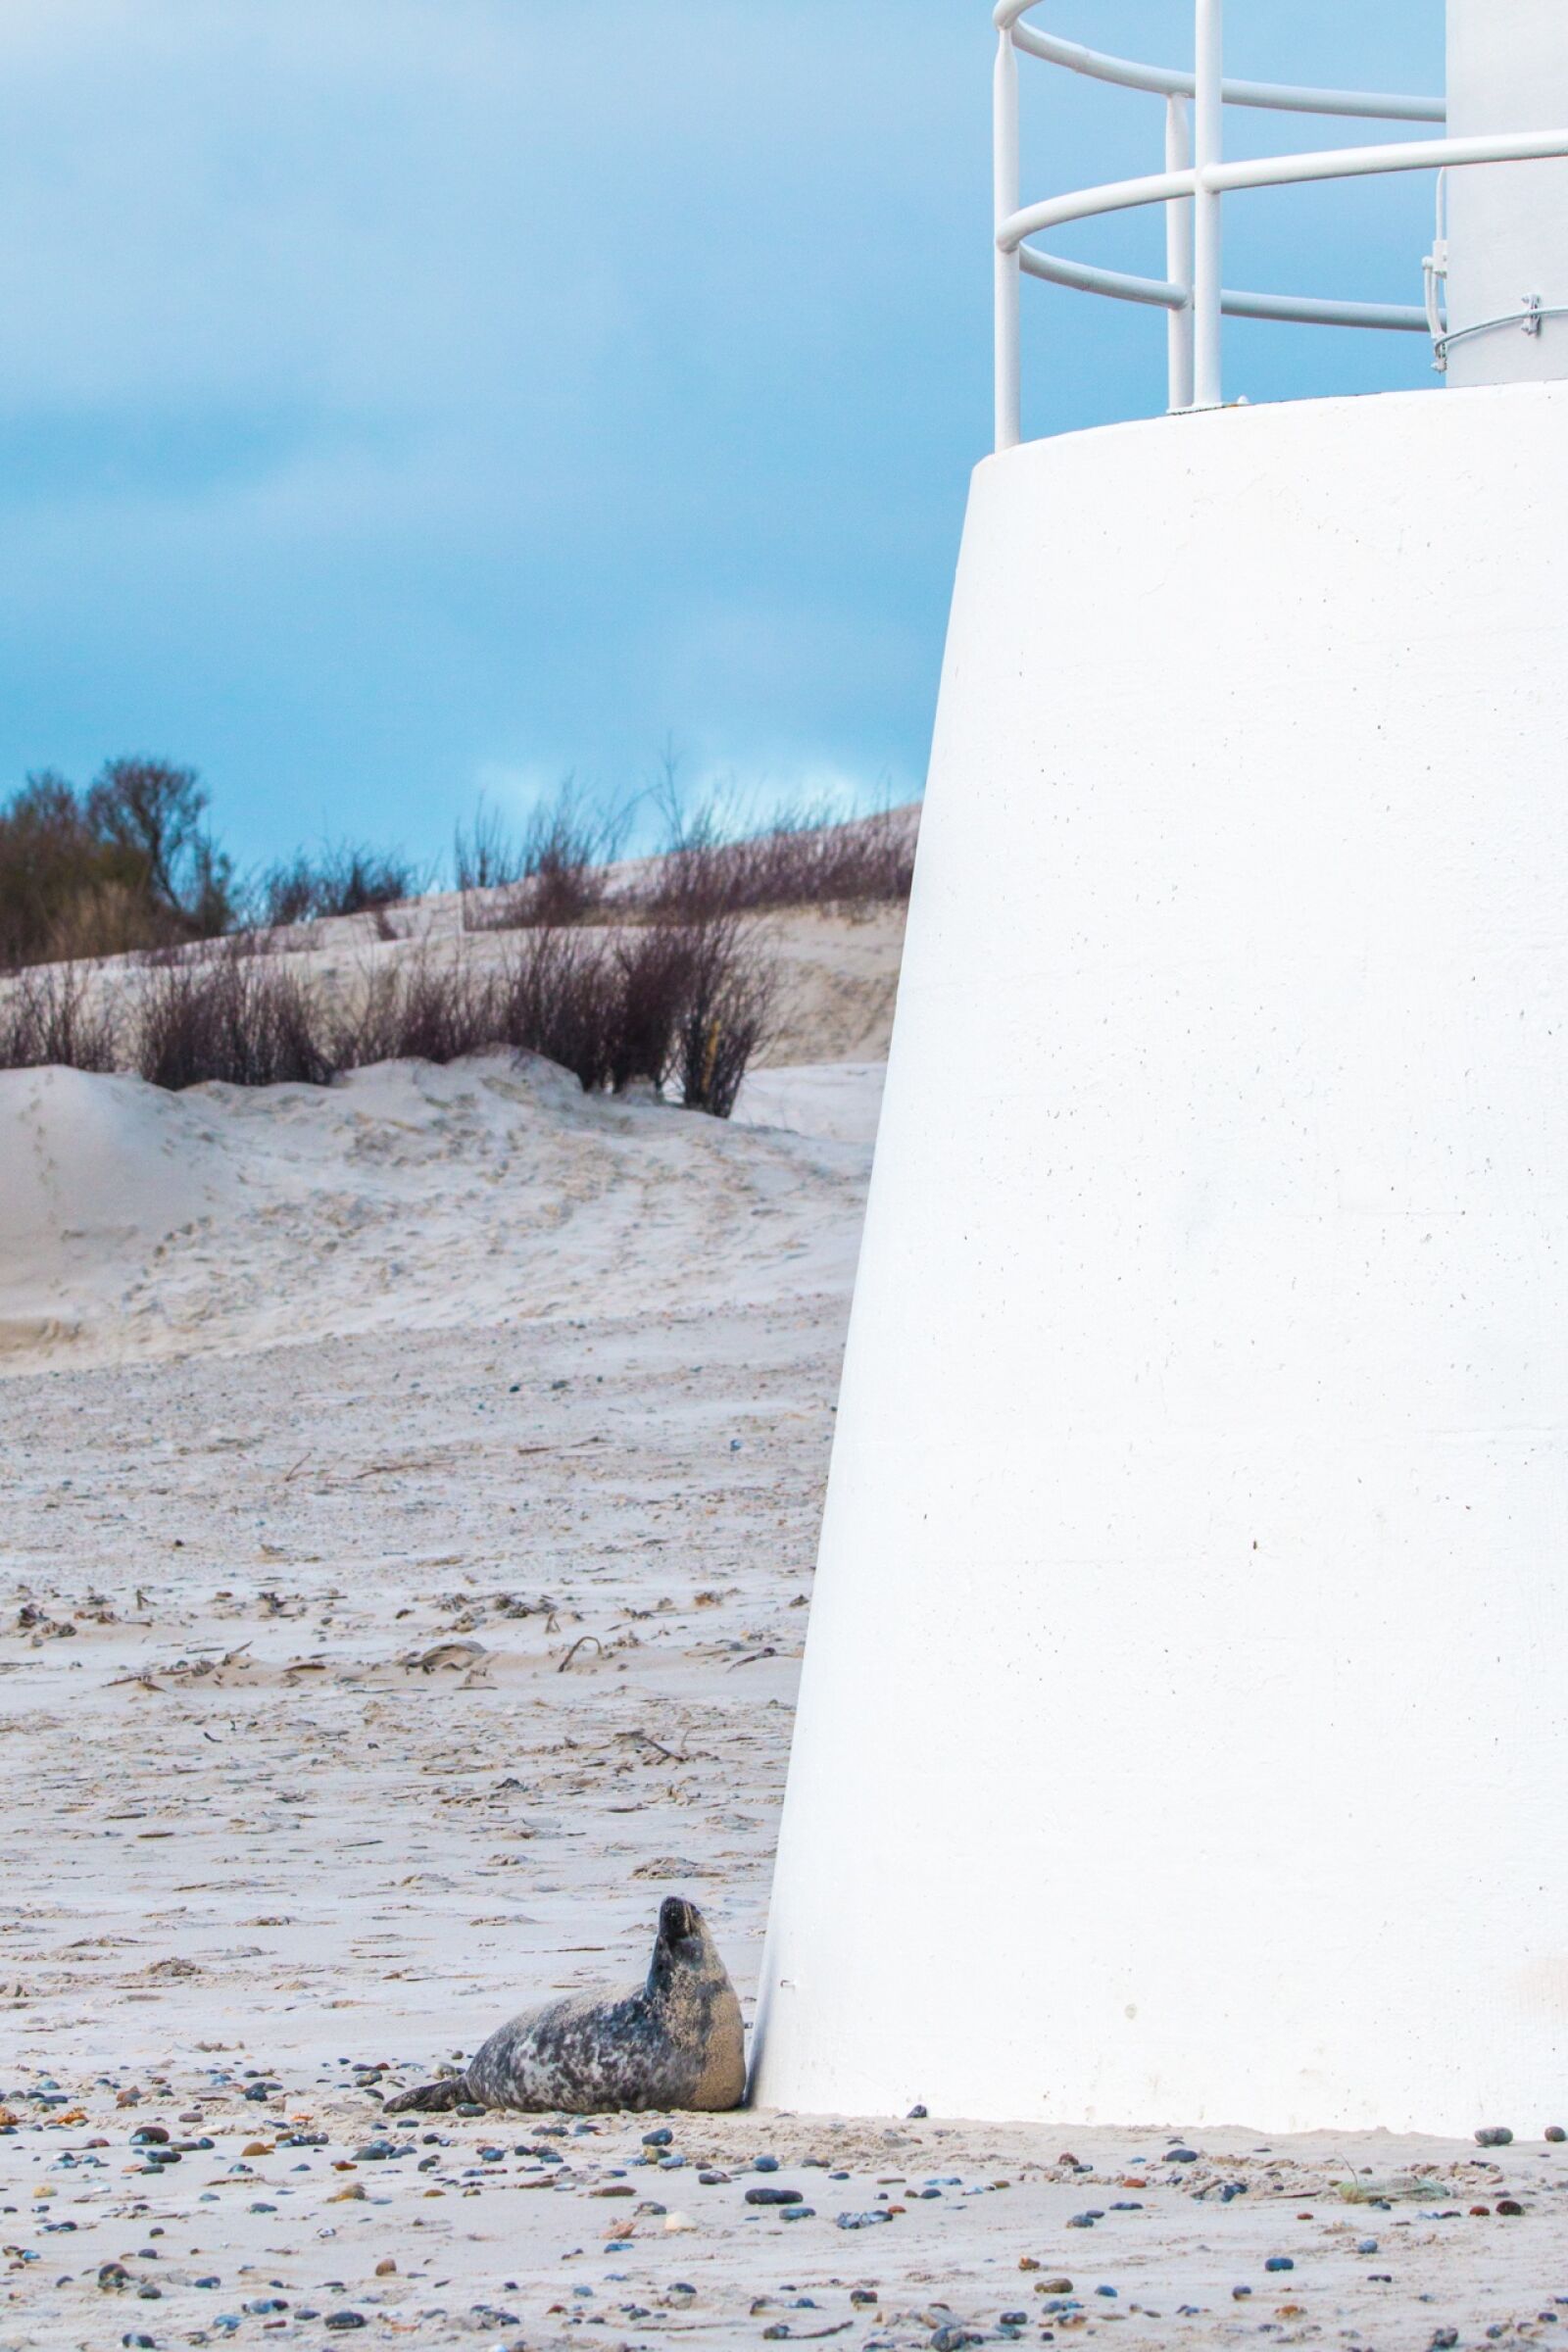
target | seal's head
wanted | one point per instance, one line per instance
(691, 2006)
(682, 1942)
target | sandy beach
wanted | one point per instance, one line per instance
(411, 1491)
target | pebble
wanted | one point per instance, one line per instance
(773, 2196)
(1494, 2135)
(1367, 2245)
(1280, 2262)
(346, 2319)
(1181, 2155)
(658, 2139)
(765, 2164)
(1555, 2133)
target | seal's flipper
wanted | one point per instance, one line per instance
(430, 2098)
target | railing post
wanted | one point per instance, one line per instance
(1007, 268)
(1208, 143)
(1179, 256)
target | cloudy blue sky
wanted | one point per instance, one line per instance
(405, 399)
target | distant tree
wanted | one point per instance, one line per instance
(128, 865)
(152, 814)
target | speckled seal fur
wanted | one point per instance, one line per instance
(675, 2043)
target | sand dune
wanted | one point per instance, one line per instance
(135, 1223)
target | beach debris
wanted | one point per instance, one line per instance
(1401, 2187)
(450, 1658)
(576, 1645)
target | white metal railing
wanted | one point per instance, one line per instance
(1192, 188)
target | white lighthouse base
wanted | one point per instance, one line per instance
(1184, 1734)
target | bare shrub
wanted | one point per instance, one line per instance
(344, 878)
(723, 1021)
(485, 855)
(683, 1003)
(557, 996)
(48, 1018)
(650, 973)
(420, 1010)
(287, 894)
(801, 858)
(660, 1005)
(243, 1020)
(559, 866)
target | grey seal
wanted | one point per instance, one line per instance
(675, 2042)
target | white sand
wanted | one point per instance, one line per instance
(407, 1198)
(411, 1495)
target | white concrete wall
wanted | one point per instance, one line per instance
(1184, 1734)
(1507, 224)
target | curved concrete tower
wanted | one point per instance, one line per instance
(1182, 1735)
